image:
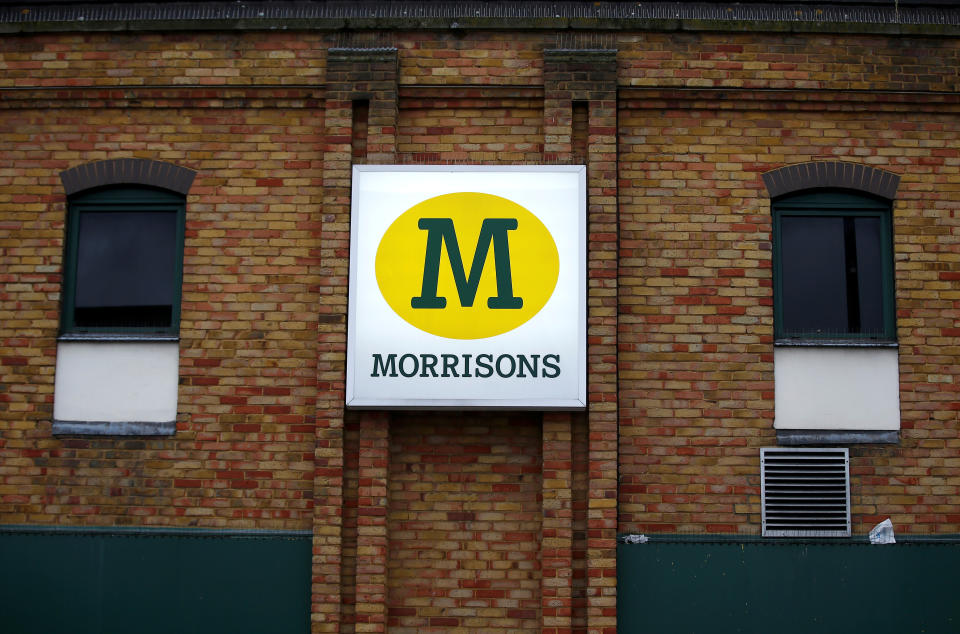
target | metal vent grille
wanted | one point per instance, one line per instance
(805, 492)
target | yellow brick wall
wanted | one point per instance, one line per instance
(696, 359)
(242, 455)
(680, 324)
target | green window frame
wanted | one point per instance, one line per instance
(140, 228)
(833, 267)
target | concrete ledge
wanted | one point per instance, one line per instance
(580, 55)
(89, 428)
(794, 437)
(152, 531)
(359, 54)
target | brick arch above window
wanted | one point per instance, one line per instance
(127, 171)
(832, 174)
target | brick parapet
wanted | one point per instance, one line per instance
(363, 17)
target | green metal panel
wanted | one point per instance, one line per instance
(789, 587)
(81, 582)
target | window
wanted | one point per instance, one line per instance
(123, 262)
(118, 350)
(835, 357)
(833, 267)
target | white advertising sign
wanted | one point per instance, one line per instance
(467, 287)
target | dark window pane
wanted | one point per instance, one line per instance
(123, 316)
(813, 275)
(869, 275)
(126, 269)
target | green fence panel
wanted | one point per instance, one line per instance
(79, 582)
(687, 586)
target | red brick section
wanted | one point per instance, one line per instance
(464, 522)
(370, 76)
(591, 77)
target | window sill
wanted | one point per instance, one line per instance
(798, 437)
(834, 343)
(96, 428)
(115, 337)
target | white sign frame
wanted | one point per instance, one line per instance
(556, 194)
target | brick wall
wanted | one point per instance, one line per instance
(464, 523)
(242, 456)
(696, 383)
(676, 136)
(485, 130)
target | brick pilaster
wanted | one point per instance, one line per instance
(556, 554)
(373, 467)
(353, 75)
(590, 76)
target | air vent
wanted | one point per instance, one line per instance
(805, 492)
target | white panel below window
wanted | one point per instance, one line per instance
(836, 388)
(116, 382)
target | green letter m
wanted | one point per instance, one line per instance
(440, 231)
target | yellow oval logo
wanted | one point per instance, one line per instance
(467, 265)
